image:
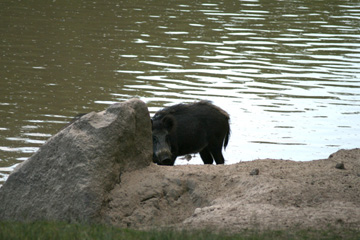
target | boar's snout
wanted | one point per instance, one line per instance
(164, 157)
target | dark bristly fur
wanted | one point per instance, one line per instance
(190, 128)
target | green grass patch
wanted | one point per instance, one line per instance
(65, 231)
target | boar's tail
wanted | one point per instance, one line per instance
(227, 136)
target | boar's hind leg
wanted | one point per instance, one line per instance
(215, 150)
(206, 156)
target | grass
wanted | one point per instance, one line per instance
(65, 231)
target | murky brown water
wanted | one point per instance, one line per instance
(288, 72)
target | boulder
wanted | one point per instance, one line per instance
(70, 176)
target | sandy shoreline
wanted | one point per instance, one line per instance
(266, 194)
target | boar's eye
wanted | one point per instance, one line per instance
(155, 140)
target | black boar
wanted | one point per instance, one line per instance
(190, 128)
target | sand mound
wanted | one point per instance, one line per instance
(265, 194)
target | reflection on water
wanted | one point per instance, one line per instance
(286, 71)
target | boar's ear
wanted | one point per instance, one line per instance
(169, 123)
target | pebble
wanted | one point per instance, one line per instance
(340, 166)
(254, 172)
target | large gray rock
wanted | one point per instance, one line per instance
(71, 175)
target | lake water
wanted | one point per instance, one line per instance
(287, 72)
